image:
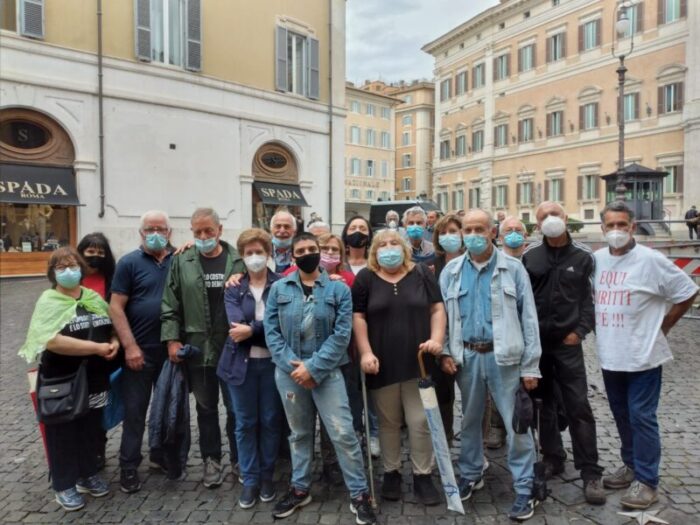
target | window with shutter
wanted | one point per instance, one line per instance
(314, 70)
(193, 56)
(546, 190)
(142, 14)
(579, 192)
(31, 18)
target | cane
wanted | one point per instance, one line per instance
(367, 438)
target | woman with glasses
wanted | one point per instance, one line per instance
(70, 326)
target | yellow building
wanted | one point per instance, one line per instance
(130, 105)
(369, 149)
(526, 105)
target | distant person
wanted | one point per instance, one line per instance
(414, 220)
(283, 227)
(512, 234)
(691, 221)
(431, 218)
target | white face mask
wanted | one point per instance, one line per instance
(553, 226)
(617, 238)
(255, 263)
(392, 225)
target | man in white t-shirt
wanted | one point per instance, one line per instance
(639, 296)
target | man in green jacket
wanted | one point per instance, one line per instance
(193, 313)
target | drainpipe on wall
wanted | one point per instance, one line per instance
(100, 109)
(330, 112)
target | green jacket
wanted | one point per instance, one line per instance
(185, 314)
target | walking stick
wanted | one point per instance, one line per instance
(367, 438)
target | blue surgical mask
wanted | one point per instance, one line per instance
(69, 278)
(390, 258)
(475, 243)
(415, 231)
(281, 243)
(514, 240)
(450, 242)
(156, 241)
(206, 245)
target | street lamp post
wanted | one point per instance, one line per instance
(621, 29)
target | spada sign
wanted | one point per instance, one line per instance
(27, 190)
(24, 184)
(280, 194)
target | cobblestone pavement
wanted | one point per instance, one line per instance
(25, 495)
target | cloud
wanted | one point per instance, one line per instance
(384, 37)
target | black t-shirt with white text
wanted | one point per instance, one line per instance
(214, 279)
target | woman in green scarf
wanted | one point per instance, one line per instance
(70, 324)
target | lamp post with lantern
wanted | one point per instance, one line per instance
(622, 29)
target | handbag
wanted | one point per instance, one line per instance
(62, 399)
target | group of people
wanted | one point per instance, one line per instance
(290, 324)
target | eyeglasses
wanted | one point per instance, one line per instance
(155, 229)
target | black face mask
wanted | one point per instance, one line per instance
(95, 261)
(309, 262)
(357, 239)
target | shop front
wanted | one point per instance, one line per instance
(38, 195)
(276, 185)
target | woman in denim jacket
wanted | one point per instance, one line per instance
(307, 327)
(247, 368)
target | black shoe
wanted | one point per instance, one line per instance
(129, 481)
(249, 497)
(267, 491)
(552, 468)
(362, 509)
(332, 474)
(391, 487)
(100, 461)
(291, 502)
(425, 490)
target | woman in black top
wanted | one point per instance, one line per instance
(70, 325)
(397, 311)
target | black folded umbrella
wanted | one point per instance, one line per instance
(539, 484)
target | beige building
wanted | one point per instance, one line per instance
(166, 104)
(369, 149)
(526, 105)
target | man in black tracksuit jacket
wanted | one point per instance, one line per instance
(561, 270)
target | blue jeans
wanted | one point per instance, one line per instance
(330, 400)
(258, 410)
(479, 372)
(634, 399)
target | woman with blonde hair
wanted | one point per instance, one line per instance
(397, 311)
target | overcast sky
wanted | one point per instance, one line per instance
(384, 37)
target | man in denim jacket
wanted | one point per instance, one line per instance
(308, 320)
(493, 340)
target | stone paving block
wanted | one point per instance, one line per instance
(329, 519)
(568, 494)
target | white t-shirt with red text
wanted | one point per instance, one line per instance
(633, 293)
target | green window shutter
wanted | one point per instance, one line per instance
(314, 69)
(142, 29)
(281, 59)
(193, 25)
(31, 18)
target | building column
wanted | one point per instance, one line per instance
(691, 112)
(246, 201)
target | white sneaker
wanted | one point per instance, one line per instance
(374, 447)
(486, 466)
(213, 473)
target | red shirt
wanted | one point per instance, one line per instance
(97, 283)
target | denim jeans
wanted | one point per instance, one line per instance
(136, 394)
(634, 399)
(563, 366)
(331, 402)
(258, 412)
(72, 448)
(479, 372)
(205, 385)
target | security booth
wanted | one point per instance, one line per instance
(644, 194)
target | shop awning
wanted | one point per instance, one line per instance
(280, 194)
(24, 184)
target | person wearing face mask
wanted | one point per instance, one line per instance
(397, 311)
(195, 316)
(639, 296)
(96, 252)
(137, 291)
(393, 221)
(357, 236)
(414, 220)
(246, 367)
(493, 342)
(448, 243)
(561, 270)
(283, 227)
(308, 320)
(512, 234)
(70, 326)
